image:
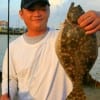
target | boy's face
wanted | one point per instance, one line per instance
(36, 17)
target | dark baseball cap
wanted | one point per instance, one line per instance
(28, 4)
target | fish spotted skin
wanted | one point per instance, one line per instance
(76, 51)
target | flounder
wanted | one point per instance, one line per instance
(76, 51)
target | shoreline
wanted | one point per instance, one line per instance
(3, 33)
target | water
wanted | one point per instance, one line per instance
(95, 72)
(4, 45)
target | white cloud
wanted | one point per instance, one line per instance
(89, 5)
(56, 2)
(59, 10)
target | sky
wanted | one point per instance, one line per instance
(58, 12)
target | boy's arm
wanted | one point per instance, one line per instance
(12, 78)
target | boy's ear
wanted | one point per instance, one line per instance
(21, 14)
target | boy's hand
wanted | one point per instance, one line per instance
(90, 21)
(4, 97)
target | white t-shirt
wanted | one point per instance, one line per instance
(35, 70)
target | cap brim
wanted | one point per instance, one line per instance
(31, 4)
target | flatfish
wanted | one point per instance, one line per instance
(76, 51)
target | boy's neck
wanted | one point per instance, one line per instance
(34, 33)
